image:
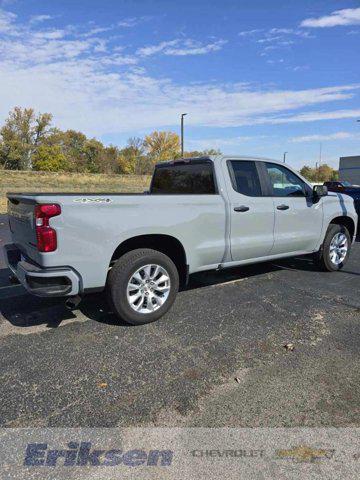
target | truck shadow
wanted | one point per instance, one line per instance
(23, 310)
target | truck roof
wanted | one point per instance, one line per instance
(218, 158)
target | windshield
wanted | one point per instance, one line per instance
(346, 184)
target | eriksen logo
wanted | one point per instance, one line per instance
(81, 454)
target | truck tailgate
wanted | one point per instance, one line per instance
(22, 223)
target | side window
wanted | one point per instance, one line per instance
(284, 182)
(245, 178)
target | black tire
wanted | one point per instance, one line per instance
(322, 257)
(120, 275)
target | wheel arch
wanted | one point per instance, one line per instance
(347, 222)
(167, 244)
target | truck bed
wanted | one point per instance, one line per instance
(53, 194)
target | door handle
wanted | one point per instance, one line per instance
(243, 208)
(283, 207)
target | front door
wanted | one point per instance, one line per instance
(298, 217)
(251, 214)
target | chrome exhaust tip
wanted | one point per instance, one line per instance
(73, 302)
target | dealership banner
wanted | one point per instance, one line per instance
(179, 453)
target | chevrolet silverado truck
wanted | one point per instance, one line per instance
(199, 214)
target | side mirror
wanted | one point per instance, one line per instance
(320, 191)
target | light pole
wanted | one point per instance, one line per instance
(284, 157)
(182, 133)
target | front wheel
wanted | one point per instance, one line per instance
(142, 286)
(335, 250)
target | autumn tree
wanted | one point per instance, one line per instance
(28, 141)
(50, 158)
(132, 158)
(22, 133)
(162, 146)
(308, 173)
(321, 174)
(202, 153)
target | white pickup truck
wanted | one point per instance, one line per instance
(200, 214)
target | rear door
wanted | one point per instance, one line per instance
(298, 217)
(251, 214)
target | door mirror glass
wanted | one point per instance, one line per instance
(320, 191)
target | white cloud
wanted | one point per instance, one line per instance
(311, 117)
(101, 88)
(323, 138)
(152, 49)
(347, 16)
(300, 68)
(34, 19)
(50, 34)
(268, 39)
(275, 38)
(222, 143)
(181, 47)
(133, 21)
(246, 33)
(273, 62)
(190, 47)
(6, 21)
(281, 30)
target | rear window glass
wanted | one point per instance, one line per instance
(245, 178)
(191, 178)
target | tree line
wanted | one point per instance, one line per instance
(323, 173)
(28, 141)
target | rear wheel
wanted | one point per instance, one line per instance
(142, 286)
(335, 250)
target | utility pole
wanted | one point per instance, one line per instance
(182, 134)
(284, 157)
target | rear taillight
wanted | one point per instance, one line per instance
(45, 235)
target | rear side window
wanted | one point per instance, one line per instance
(245, 177)
(191, 179)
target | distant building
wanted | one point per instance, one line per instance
(349, 169)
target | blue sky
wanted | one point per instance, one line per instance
(256, 77)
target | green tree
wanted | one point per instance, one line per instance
(201, 153)
(109, 161)
(21, 135)
(27, 140)
(308, 173)
(323, 173)
(133, 159)
(93, 155)
(49, 158)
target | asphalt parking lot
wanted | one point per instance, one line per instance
(216, 359)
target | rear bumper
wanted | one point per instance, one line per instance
(43, 282)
